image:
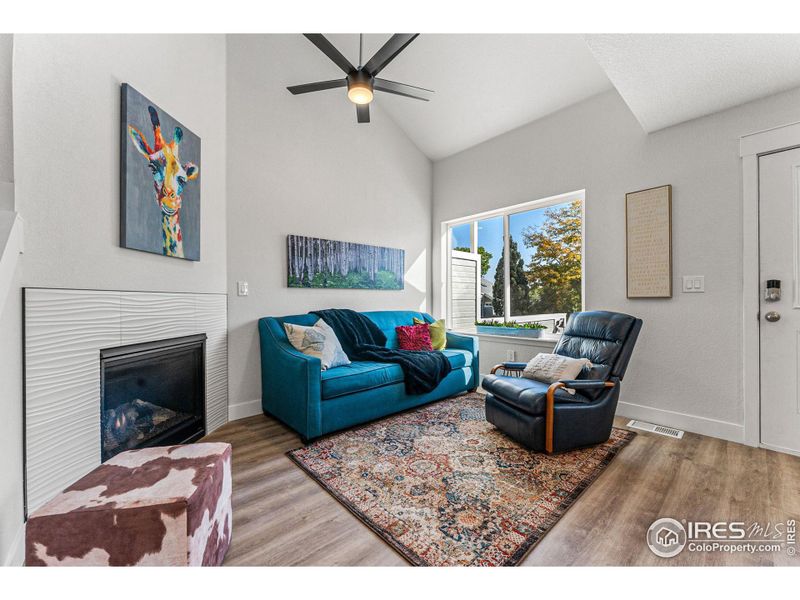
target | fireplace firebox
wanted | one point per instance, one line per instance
(152, 394)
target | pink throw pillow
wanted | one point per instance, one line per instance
(414, 337)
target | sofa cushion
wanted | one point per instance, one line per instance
(318, 341)
(387, 320)
(414, 337)
(438, 333)
(458, 358)
(527, 395)
(359, 376)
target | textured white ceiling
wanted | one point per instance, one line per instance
(670, 78)
(485, 84)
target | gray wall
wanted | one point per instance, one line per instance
(10, 336)
(302, 165)
(11, 502)
(692, 341)
(67, 101)
(6, 124)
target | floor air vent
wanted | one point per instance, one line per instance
(659, 429)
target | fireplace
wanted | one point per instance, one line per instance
(152, 394)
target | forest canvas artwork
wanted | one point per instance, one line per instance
(319, 263)
(160, 186)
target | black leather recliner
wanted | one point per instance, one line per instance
(546, 417)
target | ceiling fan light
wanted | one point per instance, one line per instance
(359, 93)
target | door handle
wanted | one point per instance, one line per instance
(772, 316)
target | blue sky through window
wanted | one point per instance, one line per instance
(490, 234)
(460, 236)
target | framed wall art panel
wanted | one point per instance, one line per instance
(648, 242)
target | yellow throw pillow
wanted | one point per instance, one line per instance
(438, 333)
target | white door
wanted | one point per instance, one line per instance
(779, 239)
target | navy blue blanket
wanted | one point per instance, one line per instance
(362, 340)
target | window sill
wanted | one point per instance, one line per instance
(546, 339)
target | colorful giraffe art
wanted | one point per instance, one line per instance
(170, 178)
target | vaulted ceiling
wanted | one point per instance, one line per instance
(669, 79)
(487, 84)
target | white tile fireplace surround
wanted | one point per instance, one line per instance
(64, 333)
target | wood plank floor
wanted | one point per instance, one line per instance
(282, 517)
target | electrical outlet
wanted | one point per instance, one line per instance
(242, 288)
(694, 284)
(511, 355)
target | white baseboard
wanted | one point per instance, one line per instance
(780, 449)
(240, 410)
(16, 553)
(725, 430)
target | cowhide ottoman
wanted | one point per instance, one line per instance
(154, 506)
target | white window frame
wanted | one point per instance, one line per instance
(506, 213)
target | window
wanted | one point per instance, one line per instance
(544, 242)
(490, 248)
(461, 237)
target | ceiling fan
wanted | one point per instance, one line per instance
(361, 81)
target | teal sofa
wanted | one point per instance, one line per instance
(313, 402)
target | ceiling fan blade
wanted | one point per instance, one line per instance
(362, 112)
(317, 86)
(388, 51)
(321, 42)
(402, 89)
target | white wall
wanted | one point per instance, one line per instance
(6, 124)
(494, 350)
(11, 509)
(302, 165)
(686, 370)
(67, 101)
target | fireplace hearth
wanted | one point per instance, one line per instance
(152, 394)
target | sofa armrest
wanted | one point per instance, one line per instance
(290, 381)
(458, 341)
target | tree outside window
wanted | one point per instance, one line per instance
(554, 269)
(544, 262)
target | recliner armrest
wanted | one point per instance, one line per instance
(586, 384)
(516, 366)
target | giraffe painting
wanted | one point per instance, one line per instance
(160, 194)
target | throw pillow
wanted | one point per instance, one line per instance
(550, 368)
(438, 333)
(319, 341)
(414, 337)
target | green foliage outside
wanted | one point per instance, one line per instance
(486, 257)
(512, 324)
(551, 282)
(554, 272)
(520, 291)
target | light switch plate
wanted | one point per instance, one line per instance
(694, 284)
(511, 355)
(242, 288)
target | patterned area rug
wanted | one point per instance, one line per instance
(444, 487)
